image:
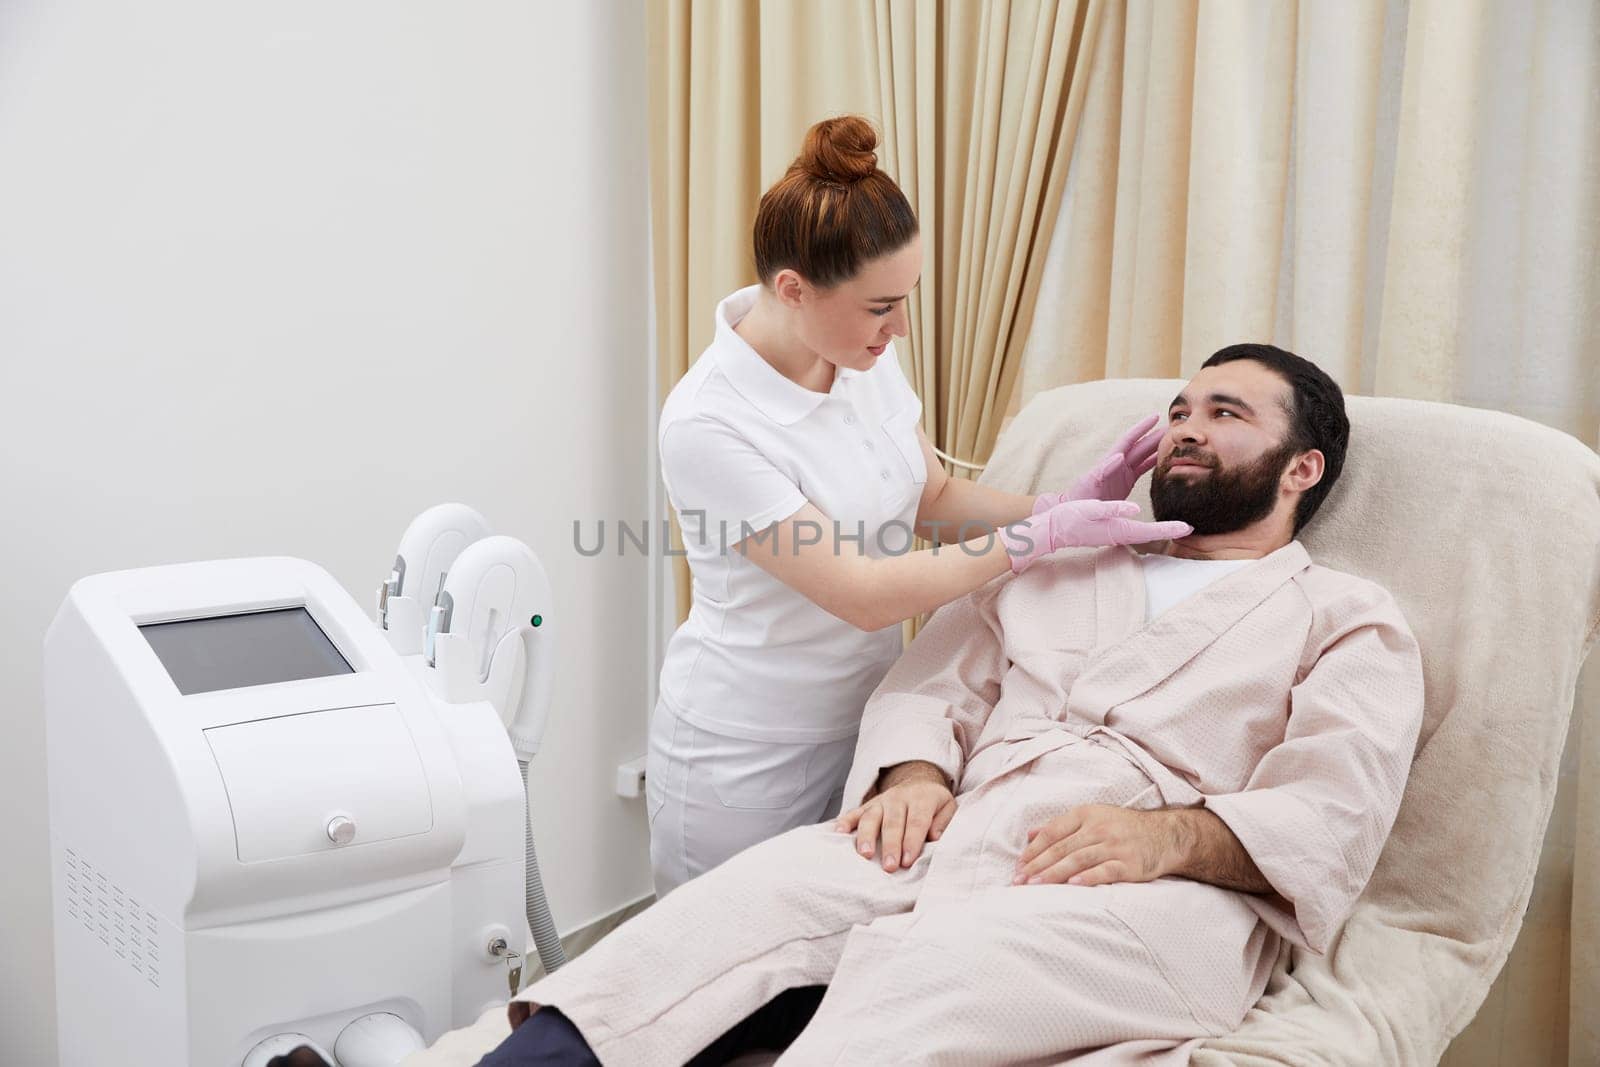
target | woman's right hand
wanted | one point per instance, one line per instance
(1113, 478)
(1083, 524)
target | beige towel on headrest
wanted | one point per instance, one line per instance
(1486, 528)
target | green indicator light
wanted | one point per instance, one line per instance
(536, 620)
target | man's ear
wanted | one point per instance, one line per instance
(1305, 471)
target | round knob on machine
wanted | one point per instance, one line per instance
(341, 830)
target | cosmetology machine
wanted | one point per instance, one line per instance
(273, 823)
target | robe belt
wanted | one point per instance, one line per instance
(1028, 738)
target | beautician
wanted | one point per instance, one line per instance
(793, 455)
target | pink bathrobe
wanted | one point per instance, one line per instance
(1285, 697)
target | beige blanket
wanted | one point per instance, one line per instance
(1486, 529)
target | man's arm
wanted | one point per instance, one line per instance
(1315, 812)
(1203, 848)
(1313, 817)
(912, 771)
(912, 807)
(1317, 809)
(935, 699)
(1099, 843)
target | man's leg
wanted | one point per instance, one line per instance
(773, 1026)
(548, 1038)
(1025, 973)
(667, 983)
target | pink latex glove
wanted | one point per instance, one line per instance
(1083, 524)
(1113, 477)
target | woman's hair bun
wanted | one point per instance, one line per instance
(840, 150)
(833, 210)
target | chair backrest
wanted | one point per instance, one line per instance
(1486, 529)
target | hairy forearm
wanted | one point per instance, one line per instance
(981, 506)
(1201, 847)
(910, 771)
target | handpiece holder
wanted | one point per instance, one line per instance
(428, 548)
(489, 637)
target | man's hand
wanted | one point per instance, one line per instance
(1096, 844)
(914, 806)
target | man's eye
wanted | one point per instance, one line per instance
(882, 311)
(1176, 415)
(1225, 411)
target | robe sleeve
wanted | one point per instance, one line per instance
(1319, 806)
(935, 699)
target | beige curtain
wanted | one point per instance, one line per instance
(734, 85)
(976, 103)
(1408, 193)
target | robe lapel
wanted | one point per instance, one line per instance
(1130, 658)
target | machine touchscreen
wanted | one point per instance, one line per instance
(234, 651)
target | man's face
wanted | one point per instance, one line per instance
(1220, 466)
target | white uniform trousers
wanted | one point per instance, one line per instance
(711, 797)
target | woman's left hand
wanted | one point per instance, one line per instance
(1113, 477)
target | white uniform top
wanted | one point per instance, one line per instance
(742, 447)
(1169, 579)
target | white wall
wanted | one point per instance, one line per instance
(275, 277)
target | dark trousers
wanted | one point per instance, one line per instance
(548, 1039)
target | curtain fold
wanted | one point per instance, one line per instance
(1430, 231)
(1244, 61)
(1337, 76)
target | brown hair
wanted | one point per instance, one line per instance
(833, 210)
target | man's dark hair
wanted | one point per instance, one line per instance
(1316, 415)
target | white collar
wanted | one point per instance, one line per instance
(783, 401)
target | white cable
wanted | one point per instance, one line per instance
(957, 462)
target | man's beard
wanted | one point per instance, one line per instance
(1223, 500)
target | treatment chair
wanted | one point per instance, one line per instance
(1486, 529)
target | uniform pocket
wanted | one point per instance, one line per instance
(755, 775)
(901, 430)
(663, 761)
